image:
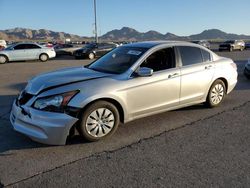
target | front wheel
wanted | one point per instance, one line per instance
(99, 120)
(3, 59)
(91, 56)
(216, 94)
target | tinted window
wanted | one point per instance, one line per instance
(206, 56)
(20, 47)
(160, 60)
(190, 55)
(32, 46)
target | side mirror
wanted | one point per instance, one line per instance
(145, 72)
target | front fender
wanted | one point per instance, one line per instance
(81, 101)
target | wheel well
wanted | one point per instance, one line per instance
(112, 101)
(225, 82)
(44, 54)
(5, 56)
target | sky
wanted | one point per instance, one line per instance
(181, 17)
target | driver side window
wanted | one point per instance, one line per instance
(160, 60)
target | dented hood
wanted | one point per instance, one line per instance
(61, 77)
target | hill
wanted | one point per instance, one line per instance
(123, 34)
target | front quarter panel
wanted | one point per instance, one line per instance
(103, 88)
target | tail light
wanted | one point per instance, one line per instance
(234, 65)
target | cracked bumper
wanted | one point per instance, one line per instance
(44, 127)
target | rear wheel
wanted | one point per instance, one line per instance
(216, 94)
(3, 59)
(43, 57)
(99, 120)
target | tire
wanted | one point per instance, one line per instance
(100, 120)
(230, 49)
(242, 48)
(3, 59)
(216, 94)
(91, 56)
(43, 57)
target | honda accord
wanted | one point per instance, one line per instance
(130, 82)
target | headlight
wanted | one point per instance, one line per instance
(55, 102)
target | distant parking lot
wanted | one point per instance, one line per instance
(25, 163)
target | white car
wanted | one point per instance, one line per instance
(3, 44)
(26, 51)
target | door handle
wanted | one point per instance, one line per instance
(208, 67)
(173, 75)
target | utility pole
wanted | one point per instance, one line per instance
(96, 36)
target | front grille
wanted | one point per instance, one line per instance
(24, 98)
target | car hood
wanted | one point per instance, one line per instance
(61, 77)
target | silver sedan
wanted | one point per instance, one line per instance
(130, 82)
(26, 51)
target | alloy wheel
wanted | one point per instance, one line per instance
(217, 94)
(100, 122)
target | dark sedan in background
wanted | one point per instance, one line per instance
(94, 50)
(65, 49)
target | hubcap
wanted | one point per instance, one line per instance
(44, 57)
(91, 56)
(100, 122)
(2, 59)
(217, 94)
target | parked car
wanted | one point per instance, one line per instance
(65, 49)
(204, 43)
(3, 44)
(26, 51)
(247, 45)
(232, 45)
(247, 69)
(130, 82)
(94, 50)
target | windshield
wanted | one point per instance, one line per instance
(118, 60)
(10, 47)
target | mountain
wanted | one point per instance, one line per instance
(123, 34)
(217, 34)
(30, 34)
(129, 34)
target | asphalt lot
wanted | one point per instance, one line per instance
(195, 146)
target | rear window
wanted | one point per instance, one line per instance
(206, 56)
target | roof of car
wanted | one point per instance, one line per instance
(150, 44)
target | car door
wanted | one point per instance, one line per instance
(196, 73)
(148, 95)
(32, 51)
(18, 52)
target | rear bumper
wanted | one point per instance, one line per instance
(52, 54)
(44, 127)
